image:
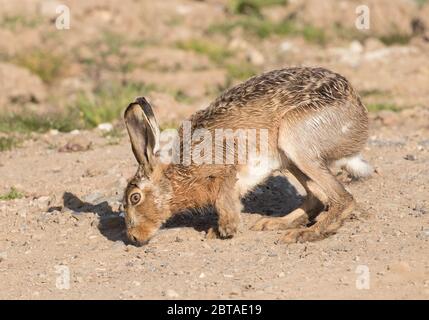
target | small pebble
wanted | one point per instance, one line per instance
(43, 202)
(410, 157)
(235, 291)
(53, 132)
(3, 256)
(171, 293)
(93, 197)
(22, 214)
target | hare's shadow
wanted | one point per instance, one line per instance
(111, 223)
(276, 197)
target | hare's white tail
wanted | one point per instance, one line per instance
(356, 166)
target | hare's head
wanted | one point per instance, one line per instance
(145, 196)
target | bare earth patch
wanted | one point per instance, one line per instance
(70, 217)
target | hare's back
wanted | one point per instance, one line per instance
(264, 99)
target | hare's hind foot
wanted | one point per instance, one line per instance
(281, 223)
(301, 216)
(296, 218)
(300, 235)
(327, 224)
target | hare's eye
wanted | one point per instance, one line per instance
(135, 198)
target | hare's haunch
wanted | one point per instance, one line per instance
(299, 119)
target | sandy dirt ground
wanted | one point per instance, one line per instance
(64, 237)
(70, 218)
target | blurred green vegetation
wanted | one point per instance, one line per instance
(114, 136)
(181, 96)
(15, 22)
(11, 195)
(215, 52)
(395, 38)
(221, 57)
(8, 143)
(109, 55)
(375, 107)
(421, 2)
(107, 101)
(264, 28)
(31, 122)
(241, 71)
(171, 124)
(113, 41)
(49, 66)
(350, 34)
(105, 104)
(252, 7)
(373, 93)
(248, 15)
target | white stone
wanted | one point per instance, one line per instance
(356, 47)
(105, 127)
(286, 46)
(53, 132)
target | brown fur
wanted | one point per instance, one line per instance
(313, 116)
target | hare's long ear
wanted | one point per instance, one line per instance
(143, 130)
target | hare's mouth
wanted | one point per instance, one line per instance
(136, 241)
(139, 236)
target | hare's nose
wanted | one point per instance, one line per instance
(133, 238)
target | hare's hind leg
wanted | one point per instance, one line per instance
(312, 205)
(339, 203)
(337, 200)
(307, 138)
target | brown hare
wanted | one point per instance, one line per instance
(312, 118)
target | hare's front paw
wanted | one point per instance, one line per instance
(228, 227)
(227, 231)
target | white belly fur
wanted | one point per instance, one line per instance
(255, 172)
